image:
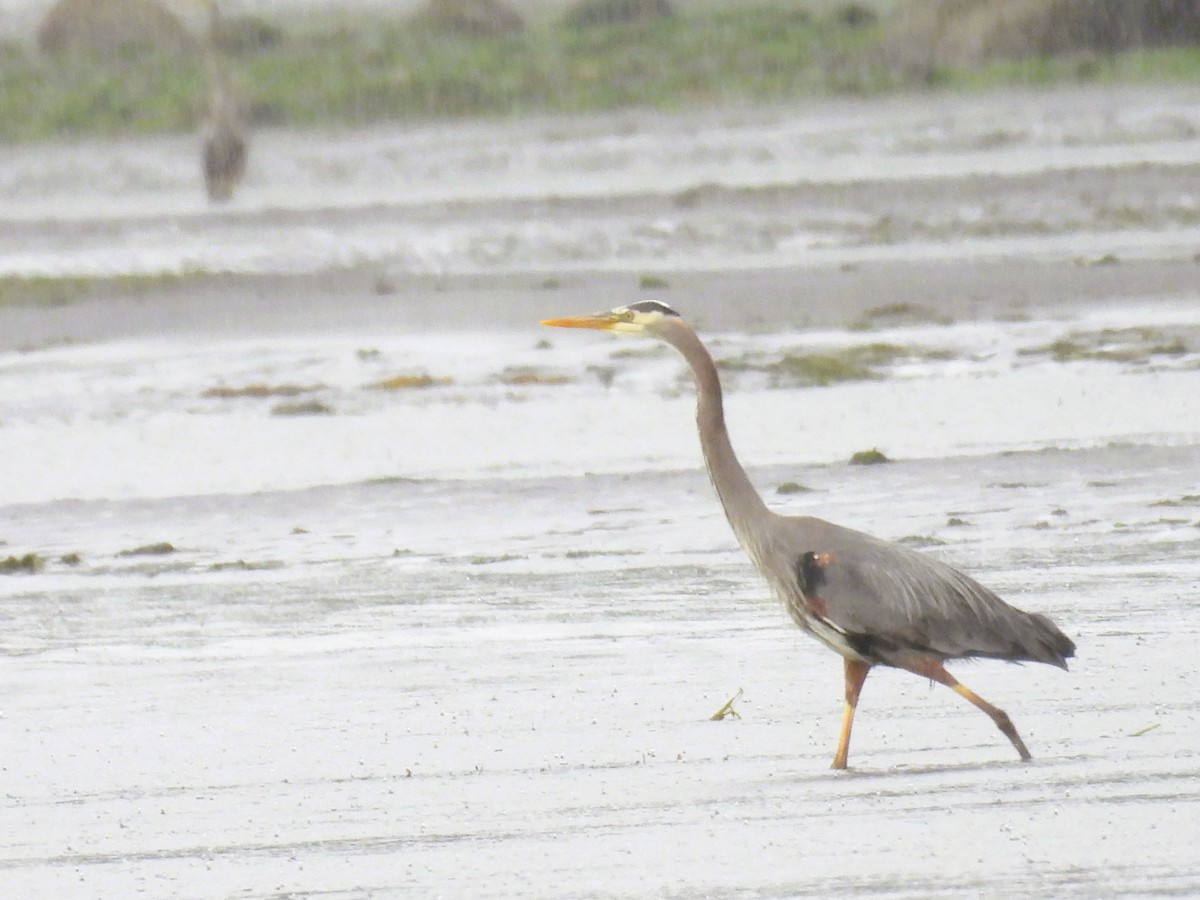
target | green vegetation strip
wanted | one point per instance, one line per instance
(49, 291)
(797, 368)
(364, 69)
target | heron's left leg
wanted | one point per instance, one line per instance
(856, 674)
(935, 670)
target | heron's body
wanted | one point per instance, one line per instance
(833, 591)
(873, 602)
(224, 155)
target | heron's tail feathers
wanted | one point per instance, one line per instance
(1048, 645)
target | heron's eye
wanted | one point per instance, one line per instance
(625, 315)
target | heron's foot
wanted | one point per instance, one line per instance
(1004, 723)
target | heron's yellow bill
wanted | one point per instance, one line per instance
(604, 322)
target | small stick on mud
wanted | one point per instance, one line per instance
(1145, 730)
(727, 709)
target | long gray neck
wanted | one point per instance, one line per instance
(743, 505)
(220, 94)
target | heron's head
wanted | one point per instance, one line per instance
(649, 317)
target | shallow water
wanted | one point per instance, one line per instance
(1087, 174)
(465, 638)
(147, 418)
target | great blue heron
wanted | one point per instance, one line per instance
(874, 602)
(224, 151)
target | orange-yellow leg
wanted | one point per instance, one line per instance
(856, 674)
(935, 670)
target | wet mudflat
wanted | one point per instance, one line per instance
(336, 590)
(393, 702)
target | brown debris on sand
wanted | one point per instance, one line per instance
(404, 382)
(259, 390)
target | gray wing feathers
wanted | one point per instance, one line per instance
(897, 599)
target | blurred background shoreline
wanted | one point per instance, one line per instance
(553, 144)
(126, 67)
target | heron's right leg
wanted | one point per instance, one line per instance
(935, 670)
(997, 715)
(856, 674)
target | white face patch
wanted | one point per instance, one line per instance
(638, 317)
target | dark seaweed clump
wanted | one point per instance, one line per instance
(872, 457)
(28, 563)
